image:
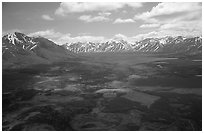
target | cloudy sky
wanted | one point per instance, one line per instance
(70, 22)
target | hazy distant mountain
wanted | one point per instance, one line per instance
(19, 49)
(165, 44)
(109, 46)
(170, 44)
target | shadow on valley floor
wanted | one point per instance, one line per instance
(131, 92)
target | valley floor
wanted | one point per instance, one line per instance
(105, 92)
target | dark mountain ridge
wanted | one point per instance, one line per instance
(17, 48)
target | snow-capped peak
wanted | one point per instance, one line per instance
(17, 41)
(112, 41)
(12, 38)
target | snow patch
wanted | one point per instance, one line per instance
(33, 47)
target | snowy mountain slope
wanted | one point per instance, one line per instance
(108, 46)
(17, 48)
(165, 44)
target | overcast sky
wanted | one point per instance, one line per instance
(70, 22)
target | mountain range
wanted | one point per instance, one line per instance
(19, 49)
(166, 44)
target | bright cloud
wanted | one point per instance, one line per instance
(47, 17)
(89, 18)
(119, 20)
(123, 37)
(69, 39)
(104, 13)
(147, 35)
(165, 13)
(174, 19)
(120, 36)
(149, 25)
(50, 33)
(102, 16)
(170, 8)
(61, 38)
(11, 31)
(77, 7)
(164, 33)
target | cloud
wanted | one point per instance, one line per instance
(123, 37)
(120, 36)
(104, 13)
(167, 9)
(89, 18)
(50, 34)
(69, 39)
(124, 11)
(60, 38)
(84, 34)
(192, 28)
(174, 19)
(133, 4)
(77, 7)
(47, 17)
(149, 25)
(119, 20)
(146, 35)
(164, 33)
(4, 32)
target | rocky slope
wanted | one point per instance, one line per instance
(19, 49)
